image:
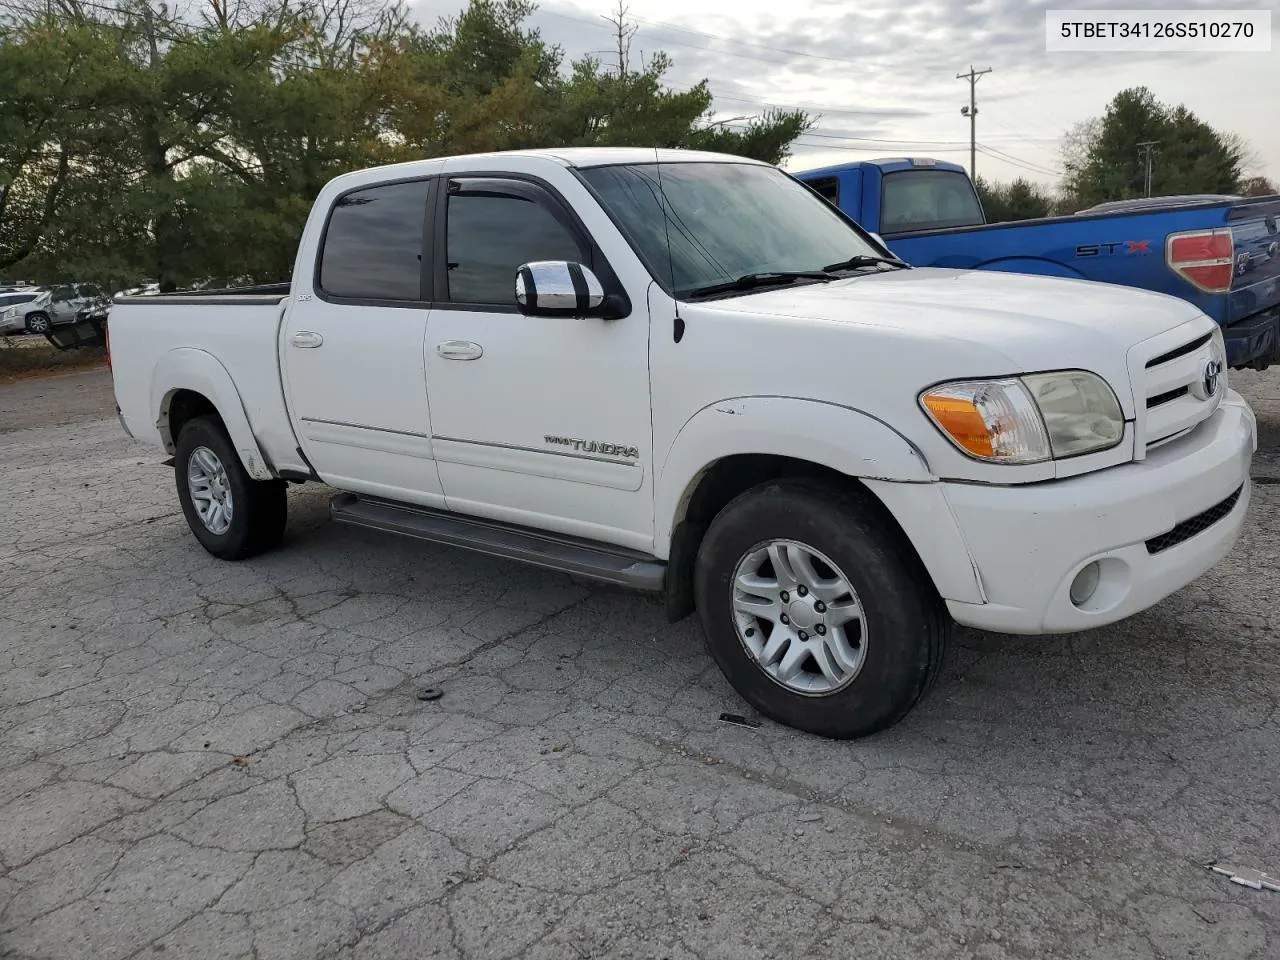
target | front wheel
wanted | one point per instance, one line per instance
(231, 514)
(815, 609)
(37, 323)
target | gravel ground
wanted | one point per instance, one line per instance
(208, 760)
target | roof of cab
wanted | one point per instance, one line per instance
(606, 156)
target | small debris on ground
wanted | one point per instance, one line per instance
(430, 693)
(1247, 877)
(739, 720)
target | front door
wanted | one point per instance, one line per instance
(352, 343)
(542, 421)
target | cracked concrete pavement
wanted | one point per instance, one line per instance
(211, 760)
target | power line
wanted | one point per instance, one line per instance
(1017, 161)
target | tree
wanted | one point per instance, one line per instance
(1019, 200)
(1103, 159)
(1258, 187)
(138, 143)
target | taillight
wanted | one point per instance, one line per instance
(106, 333)
(1204, 258)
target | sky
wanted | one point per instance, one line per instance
(880, 75)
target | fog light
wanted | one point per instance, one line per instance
(1085, 583)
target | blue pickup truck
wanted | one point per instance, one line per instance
(1220, 253)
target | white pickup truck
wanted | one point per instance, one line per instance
(688, 373)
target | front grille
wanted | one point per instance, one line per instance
(1181, 351)
(1168, 386)
(1198, 524)
(1161, 398)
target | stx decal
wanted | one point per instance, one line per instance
(1122, 248)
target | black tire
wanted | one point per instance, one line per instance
(38, 323)
(259, 507)
(907, 627)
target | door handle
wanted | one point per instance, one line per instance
(460, 350)
(305, 338)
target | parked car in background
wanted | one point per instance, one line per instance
(148, 289)
(60, 305)
(1218, 252)
(11, 320)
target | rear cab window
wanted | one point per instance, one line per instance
(913, 200)
(373, 243)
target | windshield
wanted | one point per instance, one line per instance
(928, 200)
(724, 221)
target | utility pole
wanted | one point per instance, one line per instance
(971, 111)
(1146, 148)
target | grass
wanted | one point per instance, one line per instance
(21, 362)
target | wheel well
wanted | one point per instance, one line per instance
(182, 407)
(720, 483)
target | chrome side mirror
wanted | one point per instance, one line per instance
(558, 288)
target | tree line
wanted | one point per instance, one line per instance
(138, 143)
(1103, 160)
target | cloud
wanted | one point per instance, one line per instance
(881, 74)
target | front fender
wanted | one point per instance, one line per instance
(842, 438)
(187, 368)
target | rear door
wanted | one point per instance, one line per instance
(352, 341)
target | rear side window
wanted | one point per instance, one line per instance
(373, 244)
(828, 188)
(928, 200)
(11, 299)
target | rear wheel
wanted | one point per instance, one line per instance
(232, 515)
(816, 610)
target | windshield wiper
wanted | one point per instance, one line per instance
(865, 260)
(750, 281)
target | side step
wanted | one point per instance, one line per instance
(553, 551)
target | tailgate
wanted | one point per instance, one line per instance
(1254, 300)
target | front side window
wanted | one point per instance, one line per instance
(61, 294)
(928, 200)
(491, 234)
(723, 221)
(373, 244)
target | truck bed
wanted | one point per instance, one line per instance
(200, 332)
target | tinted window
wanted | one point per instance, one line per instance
(828, 188)
(373, 245)
(64, 293)
(723, 220)
(927, 200)
(9, 299)
(491, 236)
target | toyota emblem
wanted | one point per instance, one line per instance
(1208, 384)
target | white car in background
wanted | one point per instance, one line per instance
(13, 316)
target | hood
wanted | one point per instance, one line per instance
(1016, 314)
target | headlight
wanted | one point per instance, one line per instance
(1030, 419)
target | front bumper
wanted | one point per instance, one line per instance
(1152, 526)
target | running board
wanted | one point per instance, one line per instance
(566, 554)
